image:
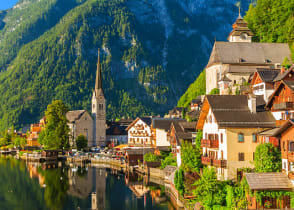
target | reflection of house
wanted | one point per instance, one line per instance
(239, 58)
(35, 130)
(80, 122)
(116, 134)
(140, 132)
(230, 125)
(181, 131)
(260, 182)
(286, 135)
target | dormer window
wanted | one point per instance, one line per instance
(241, 60)
(267, 61)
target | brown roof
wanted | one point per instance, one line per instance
(283, 128)
(164, 123)
(248, 53)
(72, 116)
(284, 74)
(270, 132)
(233, 111)
(146, 120)
(268, 181)
(139, 151)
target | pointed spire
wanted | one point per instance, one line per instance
(98, 83)
(240, 17)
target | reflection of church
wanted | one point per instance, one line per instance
(98, 196)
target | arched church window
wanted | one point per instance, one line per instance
(100, 106)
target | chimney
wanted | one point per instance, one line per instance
(252, 103)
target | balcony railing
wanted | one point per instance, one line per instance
(209, 143)
(206, 161)
(283, 106)
(291, 156)
(220, 163)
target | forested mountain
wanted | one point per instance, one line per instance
(270, 21)
(151, 51)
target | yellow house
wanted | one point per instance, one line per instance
(230, 125)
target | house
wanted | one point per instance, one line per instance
(286, 135)
(35, 130)
(281, 101)
(140, 133)
(230, 124)
(196, 103)
(161, 128)
(267, 136)
(260, 182)
(239, 58)
(116, 134)
(181, 131)
(176, 112)
(80, 122)
(262, 82)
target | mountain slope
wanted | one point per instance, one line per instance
(151, 52)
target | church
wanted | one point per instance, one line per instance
(92, 127)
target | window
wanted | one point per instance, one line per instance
(240, 137)
(241, 156)
(100, 106)
(284, 146)
(221, 138)
(291, 146)
(254, 137)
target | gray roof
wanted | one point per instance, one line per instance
(268, 181)
(248, 53)
(284, 74)
(72, 116)
(233, 111)
(268, 75)
(139, 151)
(270, 132)
(164, 123)
(147, 120)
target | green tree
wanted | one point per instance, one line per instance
(191, 157)
(209, 191)
(214, 91)
(56, 132)
(267, 158)
(81, 142)
(179, 181)
(286, 63)
(19, 142)
(170, 160)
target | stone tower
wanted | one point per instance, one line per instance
(240, 32)
(99, 109)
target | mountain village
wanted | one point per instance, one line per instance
(249, 101)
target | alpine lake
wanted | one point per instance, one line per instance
(30, 186)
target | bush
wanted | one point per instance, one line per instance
(170, 160)
(150, 157)
(179, 181)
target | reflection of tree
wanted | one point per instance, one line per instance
(56, 187)
(17, 189)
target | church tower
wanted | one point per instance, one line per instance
(99, 109)
(240, 32)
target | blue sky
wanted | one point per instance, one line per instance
(6, 4)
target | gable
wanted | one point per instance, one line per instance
(203, 114)
(283, 93)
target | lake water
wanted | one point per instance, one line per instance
(52, 186)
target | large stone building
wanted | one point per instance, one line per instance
(80, 122)
(239, 58)
(99, 109)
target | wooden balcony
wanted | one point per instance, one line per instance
(206, 161)
(291, 175)
(210, 143)
(283, 106)
(219, 163)
(291, 156)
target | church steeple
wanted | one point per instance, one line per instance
(240, 32)
(98, 82)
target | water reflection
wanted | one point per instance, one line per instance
(56, 186)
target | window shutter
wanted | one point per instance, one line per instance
(240, 137)
(254, 138)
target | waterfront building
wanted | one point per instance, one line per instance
(80, 122)
(140, 133)
(239, 58)
(230, 125)
(263, 182)
(116, 134)
(35, 130)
